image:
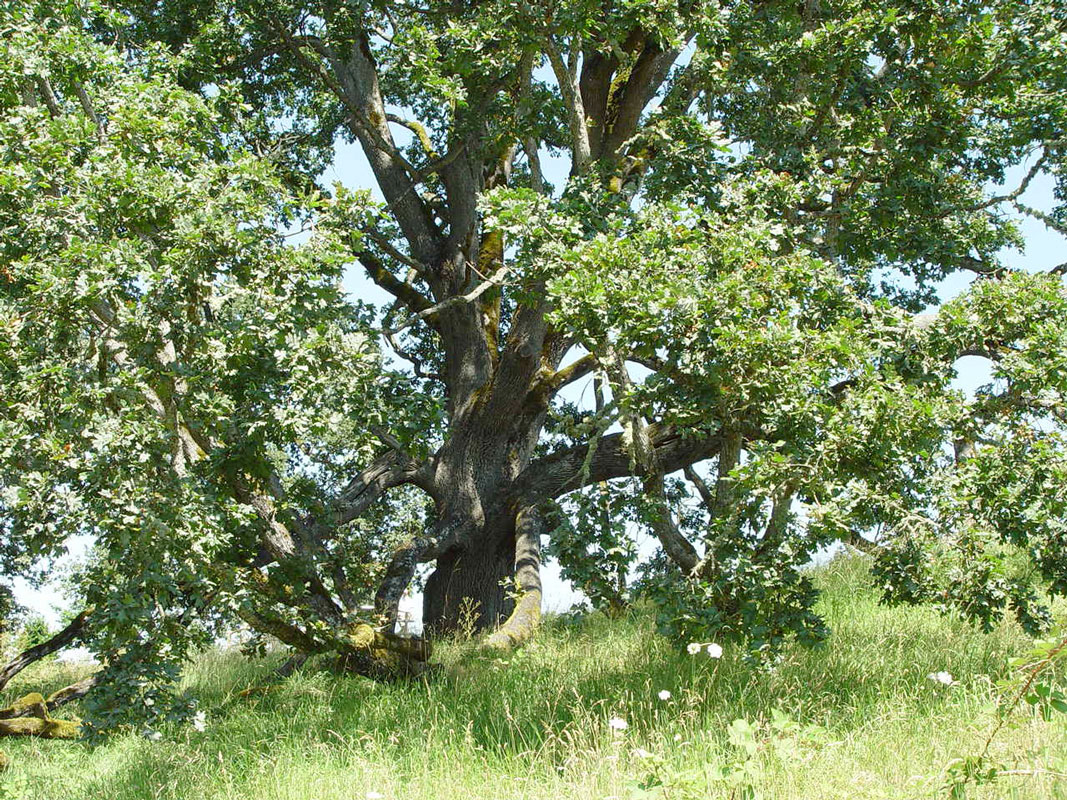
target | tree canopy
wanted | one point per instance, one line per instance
(762, 201)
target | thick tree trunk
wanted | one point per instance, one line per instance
(469, 588)
(466, 591)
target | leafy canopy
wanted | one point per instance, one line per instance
(762, 201)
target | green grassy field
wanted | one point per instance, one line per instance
(866, 722)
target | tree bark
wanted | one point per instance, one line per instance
(525, 619)
(29, 715)
(466, 589)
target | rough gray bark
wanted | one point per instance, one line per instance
(466, 589)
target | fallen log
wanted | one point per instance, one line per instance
(43, 728)
(27, 704)
(28, 716)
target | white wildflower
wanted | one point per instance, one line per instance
(714, 650)
(618, 724)
(641, 752)
(693, 648)
(944, 678)
(664, 695)
(153, 736)
(200, 721)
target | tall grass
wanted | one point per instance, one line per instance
(536, 725)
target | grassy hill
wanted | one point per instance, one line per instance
(858, 718)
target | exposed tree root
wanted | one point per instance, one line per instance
(520, 626)
(366, 651)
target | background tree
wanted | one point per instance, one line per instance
(761, 202)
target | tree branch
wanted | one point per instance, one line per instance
(401, 290)
(49, 96)
(701, 485)
(280, 630)
(861, 544)
(1041, 216)
(530, 144)
(628, 101)
(419, 130)
(561, 472)
(1019, 191)
(386, 472)
(569, 86)
(74, 629)
(87, 107)
(355, 83)
(427, 314)
(191, 445)
(566, 375)
(678, 549)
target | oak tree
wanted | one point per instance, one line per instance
(761, 201)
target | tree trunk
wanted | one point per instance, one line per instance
(469, 588)
(466, 590)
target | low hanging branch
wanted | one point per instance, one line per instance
(64, 638)
(643, 454)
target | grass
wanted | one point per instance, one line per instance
(870, 723)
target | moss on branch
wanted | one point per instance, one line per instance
(28, 716)
(520, 626)
(368, 651)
